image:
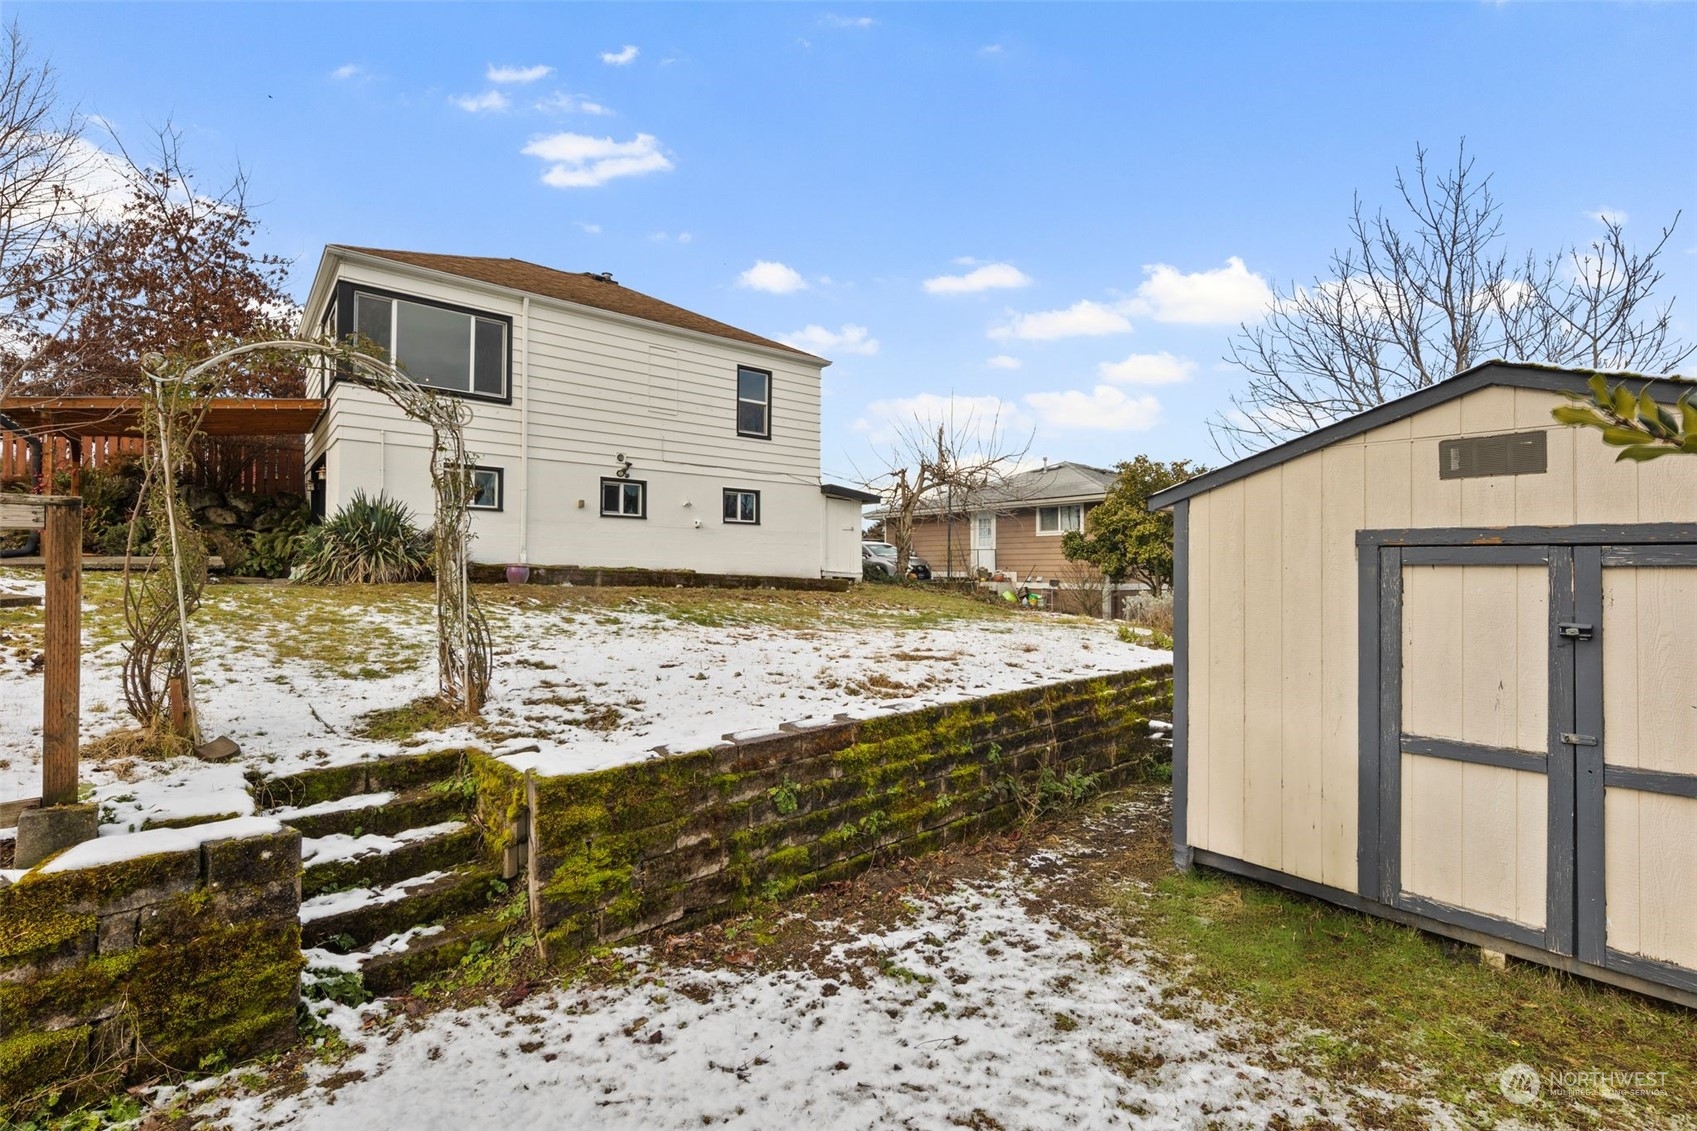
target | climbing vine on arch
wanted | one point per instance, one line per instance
(160, 599)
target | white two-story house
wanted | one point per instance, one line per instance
(608, 428)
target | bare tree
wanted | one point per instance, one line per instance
(1412, 300)
(931, 462)
(1583, 307)
(40, 157)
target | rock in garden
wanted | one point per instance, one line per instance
(199, 498)
(222, 516)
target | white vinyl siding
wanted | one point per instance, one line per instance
(590, 382)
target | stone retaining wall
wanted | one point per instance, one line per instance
(166, 961)
(679, 840)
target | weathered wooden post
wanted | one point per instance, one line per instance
(61, 553)
(59, 822)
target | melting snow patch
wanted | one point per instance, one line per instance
(978, 1007)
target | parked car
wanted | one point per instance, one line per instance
(883, 556)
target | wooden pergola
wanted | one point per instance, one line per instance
(77, 419)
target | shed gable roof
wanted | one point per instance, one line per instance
(1521, 375)
(580, 288)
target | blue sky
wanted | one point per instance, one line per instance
(1110, 187)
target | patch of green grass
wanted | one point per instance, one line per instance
(1372, 1003)
(397, 724)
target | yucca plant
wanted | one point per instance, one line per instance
(371, 540)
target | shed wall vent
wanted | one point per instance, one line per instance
(1515, 453)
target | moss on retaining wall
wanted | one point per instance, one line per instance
(165, 960)
(685, 838)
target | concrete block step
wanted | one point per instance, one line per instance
(329, 783)
(340, 862)
(385, 813)
(426, 956)
(350, 920)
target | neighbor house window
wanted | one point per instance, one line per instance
(742, 506)
(754, 402)
(485, 489)
(624, 498)
(442, 347)
(1059, 520)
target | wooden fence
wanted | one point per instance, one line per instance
(269, 466)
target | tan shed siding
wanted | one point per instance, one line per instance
(1273, 690)
(1461, 822)
(1302, 632)
(1650, 720)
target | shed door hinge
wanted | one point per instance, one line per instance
(1570, 739)
(1571, 630)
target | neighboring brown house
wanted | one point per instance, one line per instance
(1016, 530)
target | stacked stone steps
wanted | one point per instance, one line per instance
(393, 878)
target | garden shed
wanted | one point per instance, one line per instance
(1435, 662)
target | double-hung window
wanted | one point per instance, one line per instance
(1060, 520)
(754, 403)
(742, 507)
(441, 347)
(624, 498)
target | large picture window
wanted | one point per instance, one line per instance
(1059, 520)
(624, 498)
(754, 403)
(440, 347)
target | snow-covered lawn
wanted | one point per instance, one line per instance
(584, 678)
(974, 1008)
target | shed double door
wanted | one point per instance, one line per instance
(1538, 747)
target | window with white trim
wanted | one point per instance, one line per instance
(742, 507)
(1060, 519)
(441, 347)
(624, 498)
(485, 489)
(754, 403)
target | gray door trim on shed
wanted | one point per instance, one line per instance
(1583, 534)
(1574, 762)
(1181, 686)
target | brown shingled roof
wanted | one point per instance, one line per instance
(581, 288)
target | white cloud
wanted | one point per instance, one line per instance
(562, 103)
(772, 277)
(686, 237)
(1609, 216)
(991, 276)
(348, 71)
(818, 340)
(480, 103)
(1228, 294)
(982, 420)
(834, 20)
(1148, 369)
(518, 74)
(1105, 408)
(580, 161)
(1081, 319)
(620, 58)
(1003, 361)
(592, 229)
(990, 49)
